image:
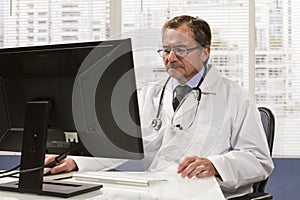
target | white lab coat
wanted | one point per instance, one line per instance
(226, 129)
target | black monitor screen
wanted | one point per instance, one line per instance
(84, 83)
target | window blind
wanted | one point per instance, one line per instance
(1, 23)
(277, 59)
(38, 22)
(278, 70)
(228, 20)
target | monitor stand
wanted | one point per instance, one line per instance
(33, 155)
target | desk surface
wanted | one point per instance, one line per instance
(175, 188)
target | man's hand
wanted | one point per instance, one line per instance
(66, 165)
(196, 166)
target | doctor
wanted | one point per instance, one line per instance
(209, 127)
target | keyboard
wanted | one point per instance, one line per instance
(142, 179)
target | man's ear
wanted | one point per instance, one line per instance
(206, 53)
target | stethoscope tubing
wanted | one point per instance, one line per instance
(156, 123)
(161, 97)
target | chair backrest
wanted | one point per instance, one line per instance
(268, 122)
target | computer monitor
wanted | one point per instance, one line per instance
(4, 120)
(84, 83)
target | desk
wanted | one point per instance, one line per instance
(175, 188)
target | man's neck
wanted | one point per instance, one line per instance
(193, 82)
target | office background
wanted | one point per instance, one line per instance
(255, 43)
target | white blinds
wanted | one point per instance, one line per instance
(277, 59)
(228, 20)
(35, 22)
(2, 3)
(277, 48)
(278, 70)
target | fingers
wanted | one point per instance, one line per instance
(49, 159)
(65, 165)
(186, 162)
(195, 166)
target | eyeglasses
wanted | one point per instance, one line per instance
(179, 51)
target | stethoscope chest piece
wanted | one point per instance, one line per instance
(156, 123)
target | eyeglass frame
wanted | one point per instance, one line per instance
(162, 51)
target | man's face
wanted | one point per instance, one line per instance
(183, 68)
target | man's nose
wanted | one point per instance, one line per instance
(172, 56)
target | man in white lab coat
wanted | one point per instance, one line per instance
(214, 131)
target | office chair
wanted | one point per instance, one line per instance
(268, 122)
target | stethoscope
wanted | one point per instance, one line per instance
(157, 122)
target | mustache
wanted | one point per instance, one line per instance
(171, 65)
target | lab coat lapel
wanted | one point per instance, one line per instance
(186, 110)
(167, 106)
(214, 106)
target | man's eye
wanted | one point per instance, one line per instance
(180, 50)
(166, 50)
